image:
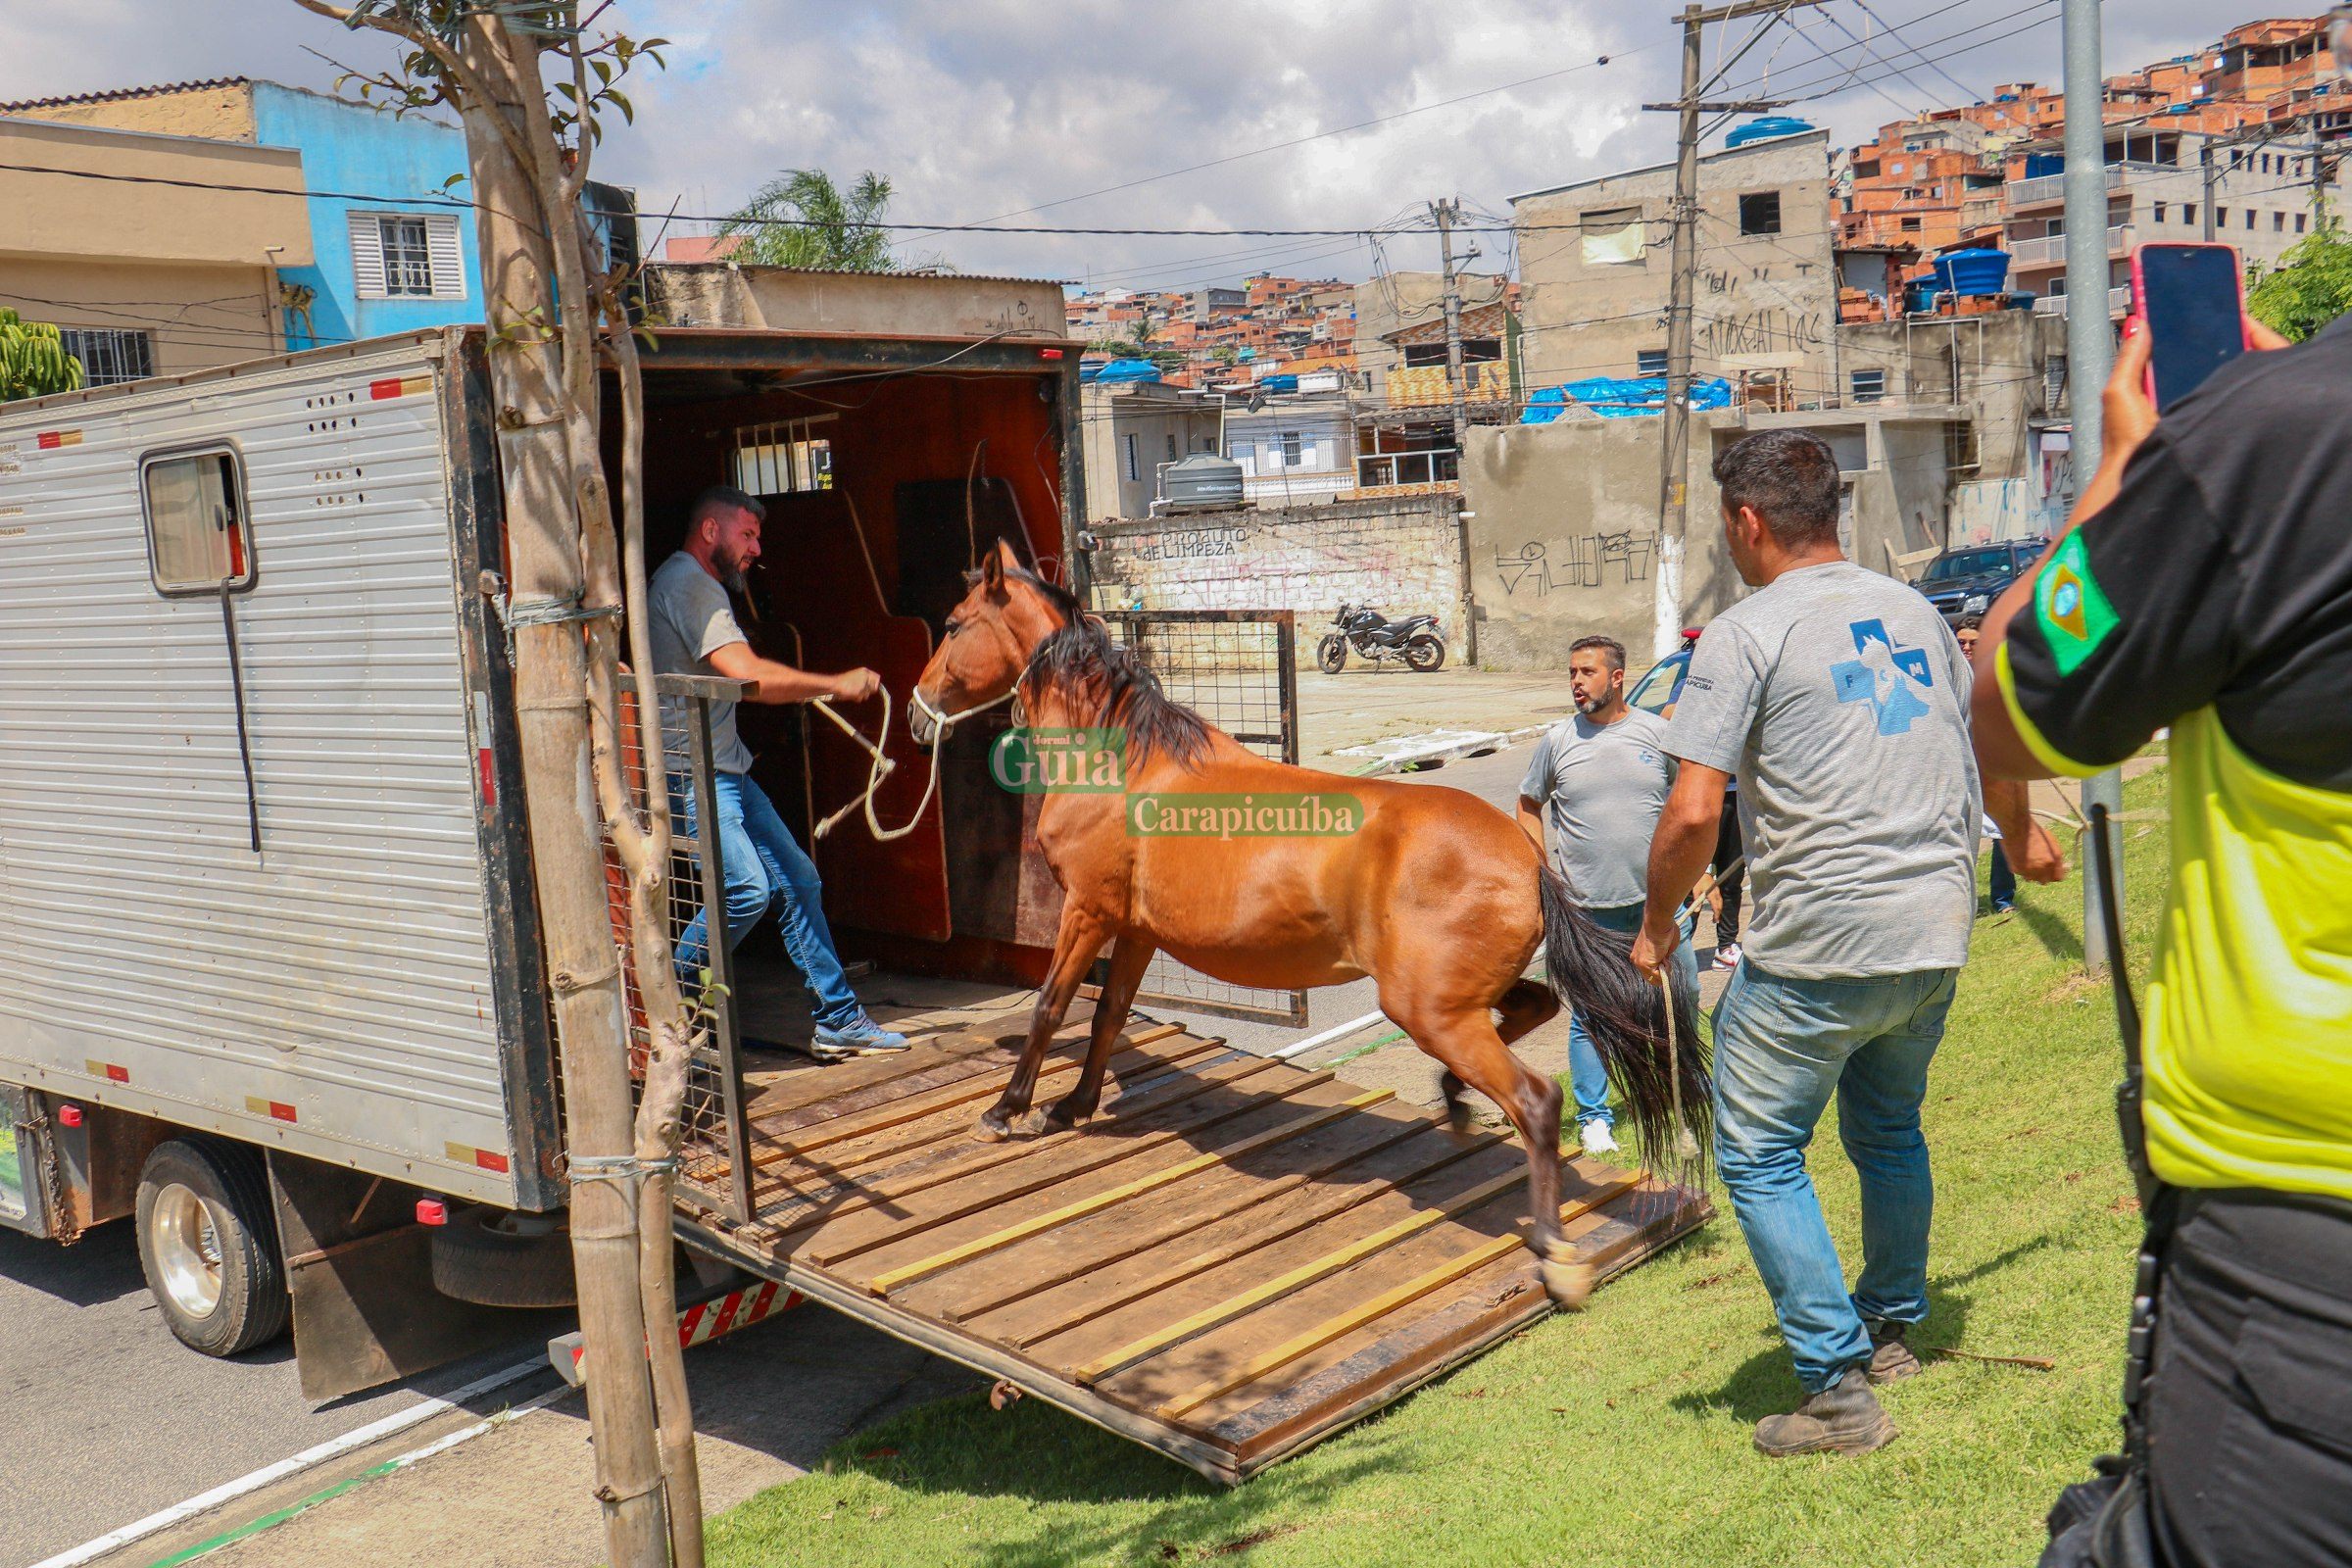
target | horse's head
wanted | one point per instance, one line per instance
(985, 647)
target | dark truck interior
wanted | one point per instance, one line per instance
(882, 477)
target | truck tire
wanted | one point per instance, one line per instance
(493, 1257)
(208, 1245)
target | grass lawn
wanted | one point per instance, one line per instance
(1620, 1435)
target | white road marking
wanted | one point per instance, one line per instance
(350, 1441)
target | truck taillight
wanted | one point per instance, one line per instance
(432, 1211)
(69, 1115)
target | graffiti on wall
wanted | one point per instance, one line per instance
(1586, 561)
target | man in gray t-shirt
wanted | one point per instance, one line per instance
(1590, 800)
(1840, 701)
(694, 632)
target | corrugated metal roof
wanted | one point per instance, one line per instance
(112, 93)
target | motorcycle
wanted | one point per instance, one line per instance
(1416, 642)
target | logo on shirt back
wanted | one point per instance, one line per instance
(1888, 675)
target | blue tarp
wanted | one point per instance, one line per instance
(1121, 371)
(1615, 399)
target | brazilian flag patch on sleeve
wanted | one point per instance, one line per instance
(2075, 612)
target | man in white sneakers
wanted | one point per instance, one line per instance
(1590, 800)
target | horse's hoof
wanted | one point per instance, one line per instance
(1566, 1281)
(1460, 1117)
(993, 1129)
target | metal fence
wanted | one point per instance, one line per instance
(714, 1160)
(1237, 669)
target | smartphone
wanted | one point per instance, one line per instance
(2191, 299)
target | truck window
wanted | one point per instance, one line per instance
(196, 536)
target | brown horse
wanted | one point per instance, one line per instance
(1433, 893)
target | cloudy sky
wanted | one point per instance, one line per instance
(980, 108)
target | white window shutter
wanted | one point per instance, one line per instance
(448, 257)
(366, 255)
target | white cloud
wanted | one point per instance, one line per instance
(974, 108)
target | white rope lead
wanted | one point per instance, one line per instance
(882, 765)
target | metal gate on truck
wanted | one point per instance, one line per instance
(1239, 669)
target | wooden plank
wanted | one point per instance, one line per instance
(823, 1084)
(1387, 1302)
(1073, 1325)
(1129, 1076)
(948, 1154)
(1358, 1375)
(837, 1130)
(1283, 1284)
(907, 1274)
(1072, 1155)
(1023, 1272)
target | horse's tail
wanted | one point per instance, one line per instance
(1591, 968)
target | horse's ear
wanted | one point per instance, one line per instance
(992, 572)
(1008, 554)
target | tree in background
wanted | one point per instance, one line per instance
(2311, 286)
(803, 219)
(33, 360)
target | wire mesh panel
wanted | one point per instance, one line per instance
(714, 1150)
(1237, 669)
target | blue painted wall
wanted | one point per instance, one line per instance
(352, 148)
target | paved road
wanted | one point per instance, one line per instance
(109, 1418)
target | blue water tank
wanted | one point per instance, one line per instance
(1765, 129)
(1970, 273)
(1919, 295)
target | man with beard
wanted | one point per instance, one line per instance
(1590, 800)
(695, 633)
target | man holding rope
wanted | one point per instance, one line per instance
(1840, 702)
(695, 633)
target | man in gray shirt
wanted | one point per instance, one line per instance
(1839, 699)
(1590, 800)
(695, 633)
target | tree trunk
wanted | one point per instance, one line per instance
(566, 852)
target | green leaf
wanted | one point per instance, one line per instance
(626, 113)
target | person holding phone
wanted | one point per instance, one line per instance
(2205, 582)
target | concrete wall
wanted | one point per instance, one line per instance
(1165, 425)
(196, 316)
(895, 305)
(2003, 361)
(1399, 300)
(1761, 299)
(1401, 556)
(59, 216)
(349, 147)
(219, 110)
(1563, 537)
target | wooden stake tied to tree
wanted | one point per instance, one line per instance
(557, 320)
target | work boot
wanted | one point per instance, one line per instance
(1844, 1418)
(1891, 1359)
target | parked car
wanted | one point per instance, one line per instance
(1966, 581)
(1656, 691)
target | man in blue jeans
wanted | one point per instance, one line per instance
(1590, 800)
(1841, 701)
(695, 633)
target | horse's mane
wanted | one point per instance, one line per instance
(1079, 652)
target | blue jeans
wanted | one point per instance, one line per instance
(1781, 1047)
(2004, 880)
(1586, 1075)
(762, 868)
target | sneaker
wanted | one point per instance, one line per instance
(1891, 1359)
(2002, 905)
(1727, 957)
(860, 1037)
(1597, 1138)
(1844, 1418)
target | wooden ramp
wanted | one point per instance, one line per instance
(1237, 1257)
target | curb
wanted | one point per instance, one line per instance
(1484, 745)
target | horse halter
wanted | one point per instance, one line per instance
(881, 766)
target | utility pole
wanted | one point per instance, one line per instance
(1675, 460)
(2090, 355)
(1447, 214)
